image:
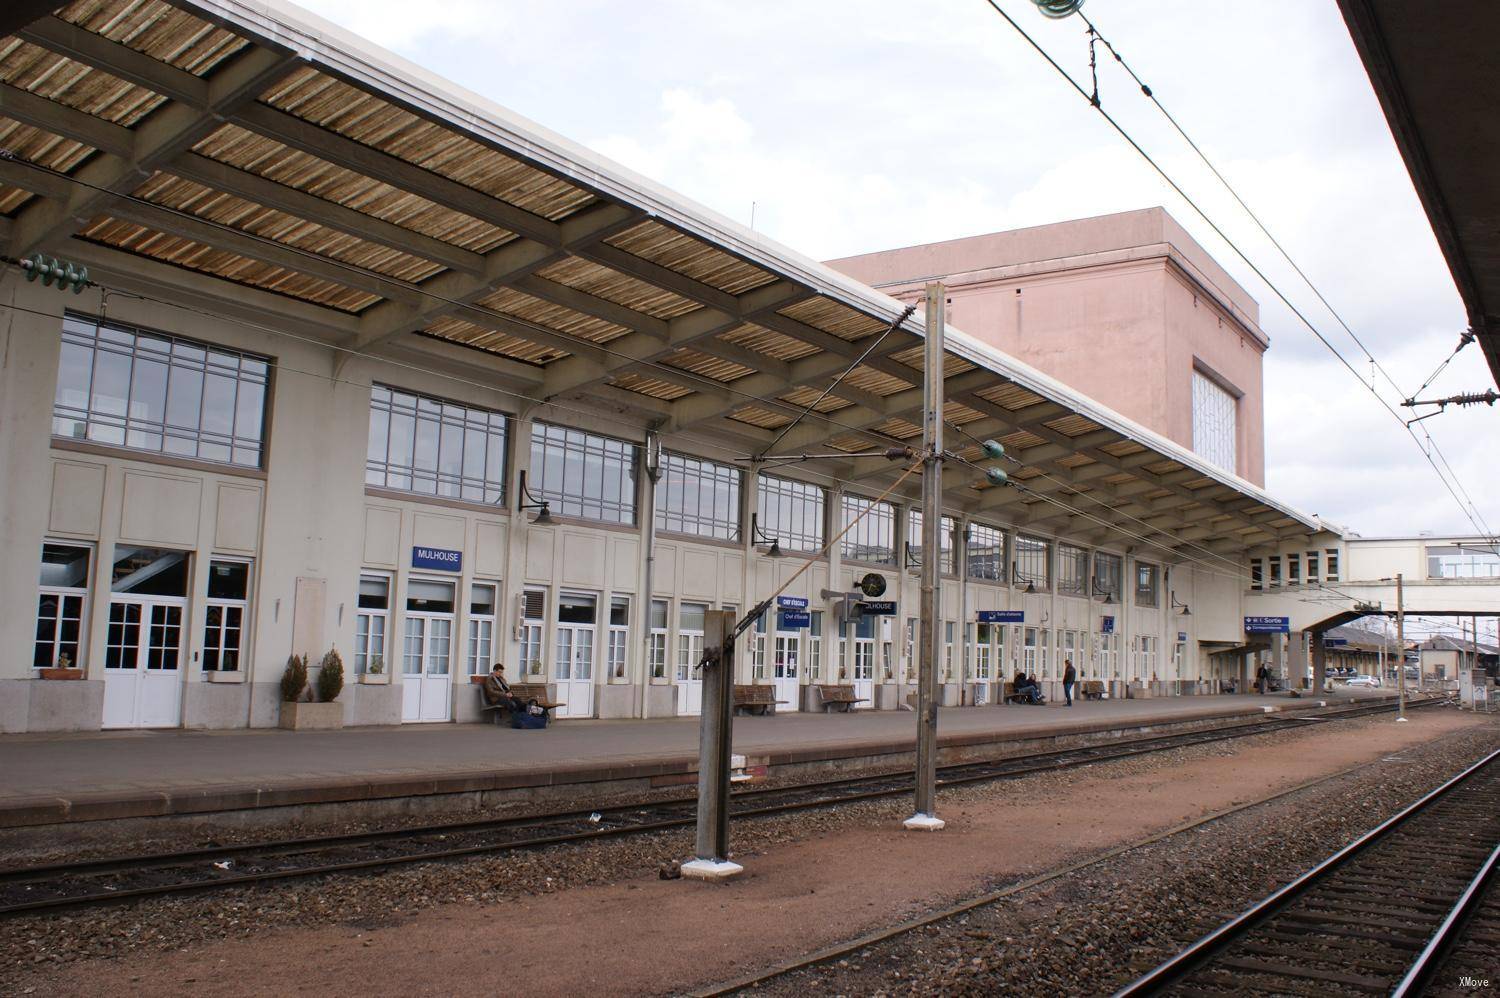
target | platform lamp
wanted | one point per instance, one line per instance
(1181, 608)
(759, 536)
(1098, 590)
(1015, 573)
(1058, 8)
(543, 516)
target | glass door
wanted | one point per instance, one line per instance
(690, 618)
(143, 643)
(577, 620)
(427, 652)
(784, 675)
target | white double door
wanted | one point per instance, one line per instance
(426, 667)
(575, 670)
(689, 673)
(143, 662)
(784, 676)
(864, 672)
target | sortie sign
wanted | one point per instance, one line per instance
(441, 559)
(1268, 625)
(1002, 616)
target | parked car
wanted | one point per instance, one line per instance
(1363, 681)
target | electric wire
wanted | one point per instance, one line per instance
(521, 396)
(1464, 338)
(417, 289)
(1471, 514)
(502, 317)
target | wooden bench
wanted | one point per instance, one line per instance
(524, 693)
(841, 698)
(1011, 696)
(757, 699)
(1091, 689)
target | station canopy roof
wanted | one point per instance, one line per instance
(258, 163)
(1435, 78)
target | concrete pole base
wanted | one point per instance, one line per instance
(924, 823)
(711, 870)
(1402, 720)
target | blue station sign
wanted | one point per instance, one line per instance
(441, 559)
(792, 602)
(1268, 625)
(792, 620)
(1335, 642)
(1002, 616)
(1106, 625)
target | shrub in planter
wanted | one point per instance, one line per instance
(294, 679)
(330, 676)
(377, 666)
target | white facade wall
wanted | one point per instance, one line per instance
(310, 526)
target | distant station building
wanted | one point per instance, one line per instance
(1127, 308)
(365, 362)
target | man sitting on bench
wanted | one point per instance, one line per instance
(497, 691)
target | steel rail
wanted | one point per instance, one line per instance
(898, 783)
(1207, 947)
(1447, 935)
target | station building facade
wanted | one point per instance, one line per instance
(189, 502)
(351, 330)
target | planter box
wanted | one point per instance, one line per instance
(56, 673)
(477, 680)
(375, 679)
(303, 716)
(218, 676)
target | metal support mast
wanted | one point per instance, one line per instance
(931, 635)
(1400, 651)
(715, 733)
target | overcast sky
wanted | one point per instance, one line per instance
(853, 127)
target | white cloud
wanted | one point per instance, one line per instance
(856, 126)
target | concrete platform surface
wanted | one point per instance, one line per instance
(72, 777)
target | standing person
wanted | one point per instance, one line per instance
(1070, 677)
(1261, 676)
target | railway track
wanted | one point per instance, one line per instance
(54, 887)
(1411, 903)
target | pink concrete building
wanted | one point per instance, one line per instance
(1126, 308)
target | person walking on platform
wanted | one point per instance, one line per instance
(1262, 677)
(1070, 678)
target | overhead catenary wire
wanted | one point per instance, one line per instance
(563, 406)
(419, 289)
(1470, 513)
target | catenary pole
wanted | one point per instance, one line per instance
(931, 636)
(1400, 651)
(715, 733)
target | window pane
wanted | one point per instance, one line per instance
(699, 497)
(149, 571)
(1214, 429)
(125, 386)
(582, 474)
(426, 445)
(791, 512)
(228, 580)
(65, 566)
(873, 538)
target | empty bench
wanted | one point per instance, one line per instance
(524, 693)
(1091, 689)
(839, 698)
(757, 699)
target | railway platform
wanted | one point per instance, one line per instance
(61, 779)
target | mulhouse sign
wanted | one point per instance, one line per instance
(441, 559)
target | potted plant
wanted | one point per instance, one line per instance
(299, 712)
(64, 669)
(536, 667)
(375, 674)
